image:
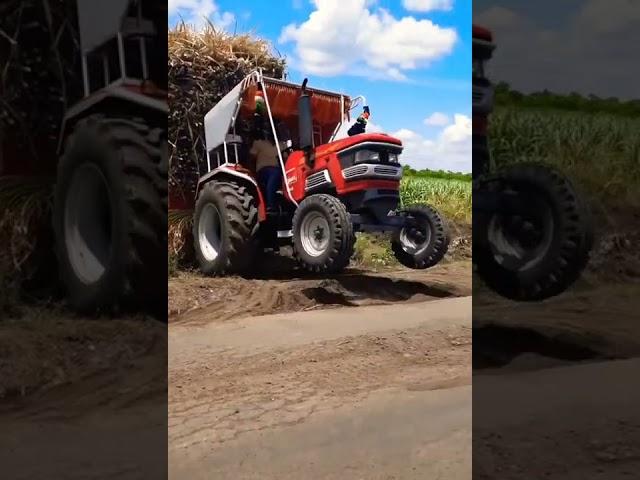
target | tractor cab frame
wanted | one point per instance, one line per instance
(117, 39)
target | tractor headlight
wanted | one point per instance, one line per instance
(393, 158)
(367, 156)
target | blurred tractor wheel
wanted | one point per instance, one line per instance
(533, 255)
(110, 215)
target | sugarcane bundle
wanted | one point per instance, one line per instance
(204, 65)
(39, 77)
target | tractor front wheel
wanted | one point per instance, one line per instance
(424, 240)
(323, 237)
(540, 252)
(225, 228)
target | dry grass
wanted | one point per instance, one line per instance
(180, 240)
(24, 219)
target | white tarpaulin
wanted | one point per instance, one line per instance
(99, 21)
(218, 120)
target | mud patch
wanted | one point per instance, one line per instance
(355, 289)
(520, 348)
(197, 299)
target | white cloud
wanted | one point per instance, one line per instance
(449, 150)
(342, 36)
(427, 5)
(197, 12)
(437, 119)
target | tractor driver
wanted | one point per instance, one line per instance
(265, 152)
(268, 168)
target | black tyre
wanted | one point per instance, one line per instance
(537, 255)
(225, 228)
(110, 215)
(323, 237)
(425, 239)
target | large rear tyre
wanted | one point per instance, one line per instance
(424, 241)
(323, 237)
(225, 228)
(110, 215)
(537, 254)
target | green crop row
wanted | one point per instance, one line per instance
(601, 152)
(451, 197)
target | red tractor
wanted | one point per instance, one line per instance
(110, 205)
(532, 233)
(329, 190)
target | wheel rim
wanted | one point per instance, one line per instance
(518, 242)
(314, 234)
(415, 239)
(210, 232)
(88, 223)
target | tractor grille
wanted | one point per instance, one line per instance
(387, 171)
(365, 170)
(317, 179)
(355, 171)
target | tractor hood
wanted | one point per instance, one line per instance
(349, 142)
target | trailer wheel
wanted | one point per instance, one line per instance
(110, 215)
(535, 256)
(323, 237)
(225, 228)
(424, 241)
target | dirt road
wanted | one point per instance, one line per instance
(110, 424)
(345, 393)
(574, 422)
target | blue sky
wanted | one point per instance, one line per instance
(411, 59)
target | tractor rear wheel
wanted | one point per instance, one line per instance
(323, 237)
(225, 228)
(423, 242)
(110, 215)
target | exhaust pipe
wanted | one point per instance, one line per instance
(305, 119)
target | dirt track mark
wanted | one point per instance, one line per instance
(218, 397)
